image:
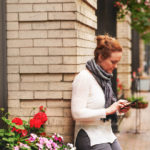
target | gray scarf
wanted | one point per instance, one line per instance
(104, 80)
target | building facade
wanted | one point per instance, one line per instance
(48, 43)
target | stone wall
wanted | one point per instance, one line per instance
(48, 42)
(124, 66)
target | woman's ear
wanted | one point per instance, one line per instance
(100, 58)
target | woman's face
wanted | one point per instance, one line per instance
(110, 63)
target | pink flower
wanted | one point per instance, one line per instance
(32, 137)
(16, 148)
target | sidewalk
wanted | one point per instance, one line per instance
(127, 137)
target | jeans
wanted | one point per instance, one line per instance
(83, 143)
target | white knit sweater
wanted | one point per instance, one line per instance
(87, 108)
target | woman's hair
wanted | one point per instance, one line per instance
(105, 46)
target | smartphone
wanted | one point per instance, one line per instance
(130, 104)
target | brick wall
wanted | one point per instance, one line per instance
(124, 66)
(48, 42)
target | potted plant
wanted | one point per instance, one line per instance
(140, 15)
(23, 135)
(140, 104)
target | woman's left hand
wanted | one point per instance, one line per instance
(125, 108)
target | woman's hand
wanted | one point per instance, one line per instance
(117, 106)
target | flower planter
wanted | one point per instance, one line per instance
(139, 105)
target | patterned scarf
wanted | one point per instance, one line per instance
(104, 80)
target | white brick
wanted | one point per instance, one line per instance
(55, 103)
(69, 77)
(64, 1)
(69, 42)
(46, 25)
(63, 51)
(85, 51)
(33, 69)
(47, 7)
(68, 24)
(54, 129)
(47, 42)
(13, 86)
(12, 69)
(47, 60)
(13, 77)
(67, 95)
(69, 7)
(11, 1)
(69, 60)
(48, 95)
(25, 26)
(12, 17)
(20, 60)
(33, 51)
(62, 68)
(33, 16)
(32, 1)
(54, 112)
(88, 44)
(19, 43)
(12, 34)
(61, 33)
(32, 34)
(13, 52)
(48, 77)
(61, 16)
(34, 86)
(32, 103)
(12, 26)
(20, 95)
(58, 86)
(13, 103)
(19, 8)
(55, 121)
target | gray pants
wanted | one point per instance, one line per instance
(83, 143)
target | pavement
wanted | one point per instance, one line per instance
(135, 129)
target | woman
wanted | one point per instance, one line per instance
(94, 104)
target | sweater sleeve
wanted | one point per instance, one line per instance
(80, 93)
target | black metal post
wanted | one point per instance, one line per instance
(106, 24)
(3, 60)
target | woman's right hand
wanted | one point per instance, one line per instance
(115, 106)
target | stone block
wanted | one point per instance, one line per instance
(48, 60)
(69, 7)
(19, 8)
(47, 7)
(55, 112)
(38, 34)
(13, 86)
(12, 26)
(20, 95)
(12, 16)
(25, 26)
(33, 69)
(61, 16)
(20, 60)
(58, 86)
(12, 69)
(19, 43)
(68, 24)
(48, 95)
(33, 51)
(32, 103)
(47, 42)
(62, 68)
(42, 16)
(34, 86)
(13, 77)
(69, 60)
(12, 52)
(61, 33)
(46, 25)
(62, 51)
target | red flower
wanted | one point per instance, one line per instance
(35, 123)
(41, 108)
(41, 116)
(17, 121)
(24, 132)
(43, 134)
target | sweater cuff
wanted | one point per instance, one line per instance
(103, 113)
